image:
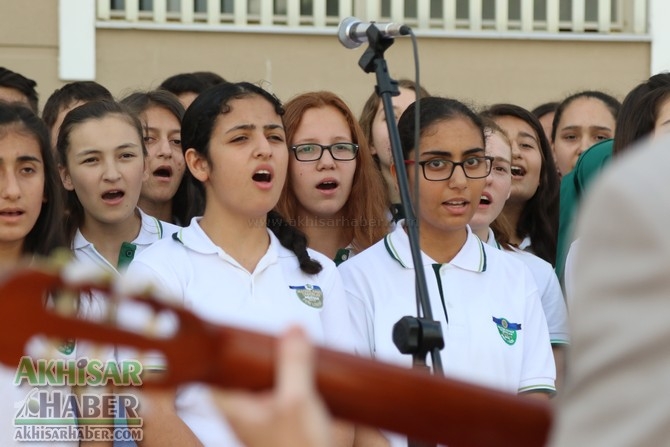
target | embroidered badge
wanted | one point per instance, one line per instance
(507, 330)
(67, 346)
(310, 295)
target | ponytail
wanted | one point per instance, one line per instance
(293, 239)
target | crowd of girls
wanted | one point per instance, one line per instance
(264, 215)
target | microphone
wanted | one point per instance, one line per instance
(352, 31)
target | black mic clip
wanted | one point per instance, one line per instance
(418, 337)
(378, 44)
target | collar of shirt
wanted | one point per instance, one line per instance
(151, 230)
(194, 238)
(492, 240)
(472, 256)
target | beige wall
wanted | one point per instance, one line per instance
(479, 71)
(29, 41)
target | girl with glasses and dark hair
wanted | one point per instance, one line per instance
(333, 193)
(240, 263)
(486, 301)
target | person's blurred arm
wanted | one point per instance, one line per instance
(161, 423)
(619, 359)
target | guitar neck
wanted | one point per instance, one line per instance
(361, 390)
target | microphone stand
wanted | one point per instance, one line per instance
(411, 335)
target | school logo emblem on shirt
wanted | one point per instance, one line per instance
(67, 346)
(507, 330)
(310, 295)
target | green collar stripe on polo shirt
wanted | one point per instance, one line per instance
(482, 257)
(159, 227)
(126, 254)
(177, 237)
(436, 269)
(391, 250)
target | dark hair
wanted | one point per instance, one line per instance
(187, 201)
(47, 233)
(195, 82)
(196, 132)
(638, 112)
(432, 110)
(612, 104)
(544, 108)
(17, 81)
(539, 217)
(94, 110)
(84, 91)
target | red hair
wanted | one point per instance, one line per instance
(366, 209)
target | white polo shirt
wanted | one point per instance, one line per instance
(496, 332)
(151, 230)
(191, 270)
(551, 295)
(486, 301)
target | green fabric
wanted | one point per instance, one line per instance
(342, 255)
(126, 254)
(573, 186)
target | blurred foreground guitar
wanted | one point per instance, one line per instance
(360, 390)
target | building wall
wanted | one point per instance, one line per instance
(480, 71)
(29, 41)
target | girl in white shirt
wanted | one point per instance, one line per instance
(486, 301)
(333, 192)
(30, 225)
(240, 263)
(487, 225)
(101, 149)
(167, 193)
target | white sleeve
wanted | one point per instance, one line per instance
(539, 369)
(555, 309)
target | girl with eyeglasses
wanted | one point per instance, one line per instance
(333, 192)
(486, 301)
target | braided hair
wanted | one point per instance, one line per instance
(196, 132)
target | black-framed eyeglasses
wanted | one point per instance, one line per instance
(314, 151)
(438, 169)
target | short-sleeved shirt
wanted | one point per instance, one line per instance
(94, 306)
(486, 301)
(551, 295)
(191, 270)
